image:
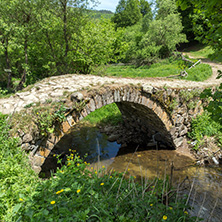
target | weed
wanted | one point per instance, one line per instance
(29, 105)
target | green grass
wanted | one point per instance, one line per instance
(205, 52)
(76, 192)
(163, 69)
(108, 114)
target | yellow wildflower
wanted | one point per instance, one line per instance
(95, 172)
(52, 202)
(170, 208)
(103, 166)
(70, 150)
(185, 212)
(91, 168)
(54, 155)
(74, 151)
(151, 205)
(21, 199)
(78, 164)
(102, 184)
(68, 164)
(110, 177)
(60, 191)
(85, 162)
(164, 217)
(78, 191)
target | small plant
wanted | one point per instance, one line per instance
(46, 120)
(29, 105)
(112, 197)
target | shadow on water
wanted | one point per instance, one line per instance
(206, 196)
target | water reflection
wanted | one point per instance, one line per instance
(149, 164)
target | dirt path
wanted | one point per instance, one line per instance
(215, 67)
(58, 87)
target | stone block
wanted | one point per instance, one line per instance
(43, 152)
(70, 120)
(65, 127)
(92, 105)
(53, 138)
(37, 169)
(98, 102)
(49, 145)
(26, 146)
(38, 160)
(178, 141)
(27, 138)
(116, 96)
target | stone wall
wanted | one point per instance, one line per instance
(150, 113)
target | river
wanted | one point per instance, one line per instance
(205, 182)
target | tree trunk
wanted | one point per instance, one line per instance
(9, 83)
(23, 78)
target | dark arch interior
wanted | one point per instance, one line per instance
(141, 129)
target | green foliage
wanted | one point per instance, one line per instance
(200, 72)
(128, 13)
(77, 193)
(204, 125)
(152, 39)
(17, 179)
(108, 114)
(167, 67)
(46, 120)
(209, 30)
(215, 105)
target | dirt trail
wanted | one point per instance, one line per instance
(57, 87)
(215, 67)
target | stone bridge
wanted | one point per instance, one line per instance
(160, 112)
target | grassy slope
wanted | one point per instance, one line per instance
(162, 69)
(205, 52)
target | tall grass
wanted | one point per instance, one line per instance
(165, 68)
(76, 192)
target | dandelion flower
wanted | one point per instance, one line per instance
(95, 172)
(78, 191)
(110, 177)
(151, 205)
(52, 202)
(103, 166)
(102, 184)
(60, 191)
(21, 199)
(77, 164)
(164, 217)
(91, 168)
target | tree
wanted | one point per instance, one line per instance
(127, 13)
(157, 38)
(145, 8)
(211, 14)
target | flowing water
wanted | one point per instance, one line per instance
(206, 195)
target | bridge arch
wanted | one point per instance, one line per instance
(140, 108)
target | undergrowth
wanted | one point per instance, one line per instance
(106, 115)
(77, 192)
(203, 125)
